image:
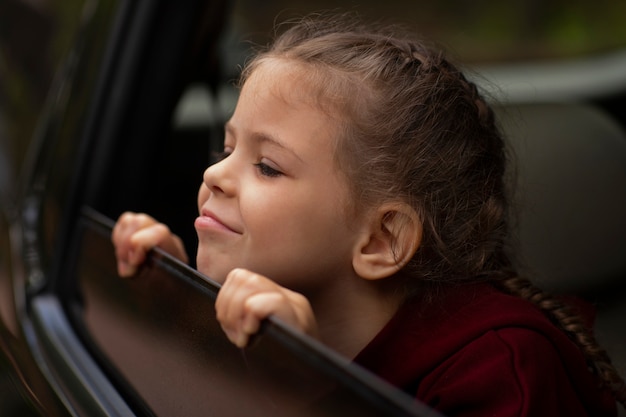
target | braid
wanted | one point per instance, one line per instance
(572, 324)
(436, 62)
(559, 312)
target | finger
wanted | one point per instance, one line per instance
(260, 306)
(173, 245)
(256, 308)
(120, 235)
(231, 304)
(290, 307)
(231, 288)
(139, 244)
(231, 297)
(127, 224)
(151, 235)
(148, 237)
(124, 269)
(129, 253)
(246, 299)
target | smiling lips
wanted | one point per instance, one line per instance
(209, 221)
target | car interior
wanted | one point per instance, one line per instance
(570, 198)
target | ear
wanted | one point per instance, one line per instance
(392, 235)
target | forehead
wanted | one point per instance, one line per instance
(296, 83)
(282, 97)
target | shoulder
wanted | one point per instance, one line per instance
(432, 333)
(513, 359)
(514, 371)
(511, 370)
(488, 354)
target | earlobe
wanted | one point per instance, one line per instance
(392, 237)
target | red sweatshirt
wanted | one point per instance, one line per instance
(479, 352)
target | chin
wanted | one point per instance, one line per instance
(209, 269)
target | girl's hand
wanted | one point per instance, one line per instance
(135, 234)
(246, 298)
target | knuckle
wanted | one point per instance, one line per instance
(142, 219)
(161, 229)
(124, 217)
(238, 275)
(127, 218)
(254, 280)
(249, 307)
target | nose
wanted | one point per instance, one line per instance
(219, 179)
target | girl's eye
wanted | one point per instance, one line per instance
(267, 170)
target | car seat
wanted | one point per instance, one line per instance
(570, 204)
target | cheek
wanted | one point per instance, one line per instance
(288, 216)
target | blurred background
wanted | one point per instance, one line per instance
(476, 32)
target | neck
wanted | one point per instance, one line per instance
(350, 317)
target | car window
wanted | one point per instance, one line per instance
(157, 335)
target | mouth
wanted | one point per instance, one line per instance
(210, 221)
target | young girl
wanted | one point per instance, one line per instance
(361, 199)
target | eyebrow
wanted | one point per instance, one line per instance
(263, 138)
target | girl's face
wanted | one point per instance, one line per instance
(276, 204)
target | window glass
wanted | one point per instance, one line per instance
(158, 337)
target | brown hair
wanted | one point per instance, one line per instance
(416, 129)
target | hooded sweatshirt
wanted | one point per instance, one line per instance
(479, 352)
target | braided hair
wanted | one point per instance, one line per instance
(414, 127)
